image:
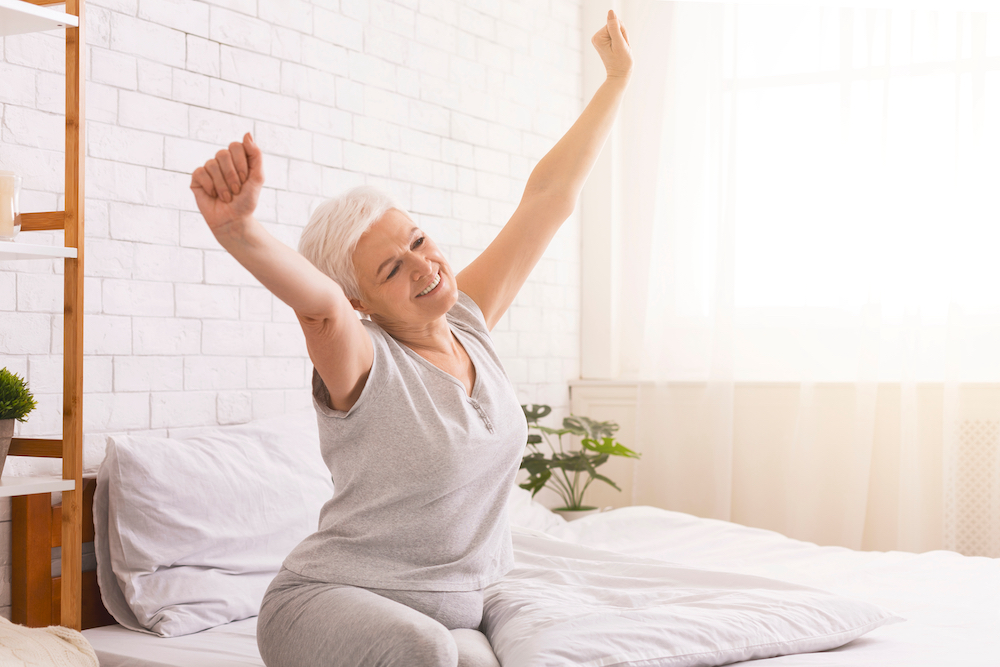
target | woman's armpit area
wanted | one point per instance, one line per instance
(343, 359)
(345, 402)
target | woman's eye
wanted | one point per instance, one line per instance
(395, 269)
(418, 242)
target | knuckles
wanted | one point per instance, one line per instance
(224, 166)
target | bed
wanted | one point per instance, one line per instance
(634, 586)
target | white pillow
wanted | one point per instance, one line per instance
(524, 512)
(568, 605)
(191, 531)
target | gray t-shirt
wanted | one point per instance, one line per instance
(421, 471)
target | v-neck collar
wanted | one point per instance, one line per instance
(455, 328)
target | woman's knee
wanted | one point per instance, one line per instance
(349, 627)
(272, 636)
(291, 631)
(427, 644)
(474, 649)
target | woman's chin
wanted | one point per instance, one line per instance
(441, 298)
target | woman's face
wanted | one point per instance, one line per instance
(404, 278)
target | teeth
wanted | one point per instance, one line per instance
(432, 285)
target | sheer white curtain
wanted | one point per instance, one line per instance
(809, 279)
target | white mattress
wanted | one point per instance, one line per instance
(231, 645)
(951, 603)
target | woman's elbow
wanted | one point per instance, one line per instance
(324, 312)
(556, 203)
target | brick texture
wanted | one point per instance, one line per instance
(446, 104)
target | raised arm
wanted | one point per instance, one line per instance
(494, 278)
(226, 189)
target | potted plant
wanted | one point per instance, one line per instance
(569, 472)
(15, 403)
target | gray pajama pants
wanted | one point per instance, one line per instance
(309, 623)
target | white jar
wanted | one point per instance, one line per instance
(10, 212)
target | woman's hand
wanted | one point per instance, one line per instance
(228, 186)
(611, 42)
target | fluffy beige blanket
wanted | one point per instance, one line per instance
(54, 646)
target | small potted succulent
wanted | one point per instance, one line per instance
(569, 472)
(15, 403)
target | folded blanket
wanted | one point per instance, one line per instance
(54, 646)
(566, 605)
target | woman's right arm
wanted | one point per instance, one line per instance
(226, 189)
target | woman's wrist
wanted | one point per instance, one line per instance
(235, 230)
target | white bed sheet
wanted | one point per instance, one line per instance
(230, 645)
(951, 602)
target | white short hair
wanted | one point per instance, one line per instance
(332, 234)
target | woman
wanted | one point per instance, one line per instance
(418, 422)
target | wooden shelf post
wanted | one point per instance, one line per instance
(72, 516)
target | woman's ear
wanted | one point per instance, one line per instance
(357, 305)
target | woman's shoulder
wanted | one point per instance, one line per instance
(467, 312)
(382, 363)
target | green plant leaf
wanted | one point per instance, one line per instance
(574, 425)
(595, 475)
(605, 480)
(589, 427)
(609, 446)
(536, 483)
(573, 461)
(16, 400)
(533, 412)
(535, 463)
(552, 431)
(598, 459)
(534, 439)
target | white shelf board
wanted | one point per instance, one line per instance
(13, 250)
(18, 17)
(25, 486)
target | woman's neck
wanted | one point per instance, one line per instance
(433, 338)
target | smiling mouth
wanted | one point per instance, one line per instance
(434, 284)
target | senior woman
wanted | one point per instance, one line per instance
(418, 422)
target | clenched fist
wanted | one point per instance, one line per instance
(228, 186)
(611, 42)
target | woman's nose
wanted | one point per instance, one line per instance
(422, 267)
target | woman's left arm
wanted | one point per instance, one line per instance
(494, 278)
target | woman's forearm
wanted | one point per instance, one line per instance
(564, 169)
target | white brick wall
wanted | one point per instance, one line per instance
(446, 103)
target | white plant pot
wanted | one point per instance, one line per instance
(573, 515)
(6, 433)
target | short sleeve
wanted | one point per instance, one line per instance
(467, 312)
(373, 385)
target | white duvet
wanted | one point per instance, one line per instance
(565, 604)
(951, 603)
(569, 602)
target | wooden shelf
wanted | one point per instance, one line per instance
(10, 250)
(26, 486)
(18, 17)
